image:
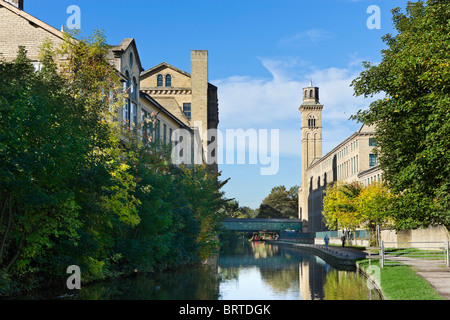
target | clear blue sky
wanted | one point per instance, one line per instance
(261, 54)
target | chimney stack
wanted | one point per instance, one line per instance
(16, 3)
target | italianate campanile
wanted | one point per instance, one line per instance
(311, 138)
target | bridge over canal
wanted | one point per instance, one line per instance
(256, 225)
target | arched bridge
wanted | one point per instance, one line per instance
(255, 225)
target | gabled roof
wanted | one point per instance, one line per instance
(164, 110)
(123, 46)
(166, 65)
(32, 19)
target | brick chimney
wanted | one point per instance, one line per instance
(16, 3)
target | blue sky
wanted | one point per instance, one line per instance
(261, 54)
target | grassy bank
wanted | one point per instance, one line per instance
(401, 283)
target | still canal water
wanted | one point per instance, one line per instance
(243, 270)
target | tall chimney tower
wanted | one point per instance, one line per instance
(199, 79)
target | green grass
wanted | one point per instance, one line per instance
(402, 283)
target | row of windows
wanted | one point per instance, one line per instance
(348, 168)
(374, 178)
(154, 131)
(352, 146)
(160, 80)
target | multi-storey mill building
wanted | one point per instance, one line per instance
(351, 160)
(178, 99)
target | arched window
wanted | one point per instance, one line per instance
(311, 120)
(306, 93)
(134, 89)
(131, 59)
(310, 93)
(168, 80)
(160, 80)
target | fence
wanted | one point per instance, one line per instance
(398, 253)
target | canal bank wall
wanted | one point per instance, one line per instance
(339, 257)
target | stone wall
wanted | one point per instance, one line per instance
(416, 237)
(15, 31)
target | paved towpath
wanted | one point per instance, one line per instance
(434, 271)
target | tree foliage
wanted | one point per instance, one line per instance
(349, 206)
(77, 188)
(340, 206)
(413, 120)
(280, 203)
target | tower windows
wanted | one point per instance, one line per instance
(310, 93)
(312, 121)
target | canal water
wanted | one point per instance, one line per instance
(243, 270)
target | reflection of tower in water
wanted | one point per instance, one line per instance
(312, 275)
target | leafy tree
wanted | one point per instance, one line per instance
(76, 187)
(42, 147)
(280, 203)
(374, 204)
(202, 190)
(340, 206)
(413, 120)
(231, 209)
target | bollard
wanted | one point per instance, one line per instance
(447, 254)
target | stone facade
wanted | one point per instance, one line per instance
(351, 160)
(145, 97)
(188, 96)
(18, 28)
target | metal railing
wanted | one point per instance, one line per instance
(398, 253)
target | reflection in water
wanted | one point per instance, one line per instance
(261, 271)
(243, 270)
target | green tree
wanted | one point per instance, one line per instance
(280, 203)
(374, 204)
(42, 147)
(340, 206)
(413, 120)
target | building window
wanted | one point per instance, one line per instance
(373, 161)
(145, 125)
(311, 121)
(134, 89)
(157, 130)
(131, 59)
(160, 80)
(126, 112)
(165, 133)
(187, 110)
(372, 142)
(134, 114)
(168, 80)
(310, 93)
